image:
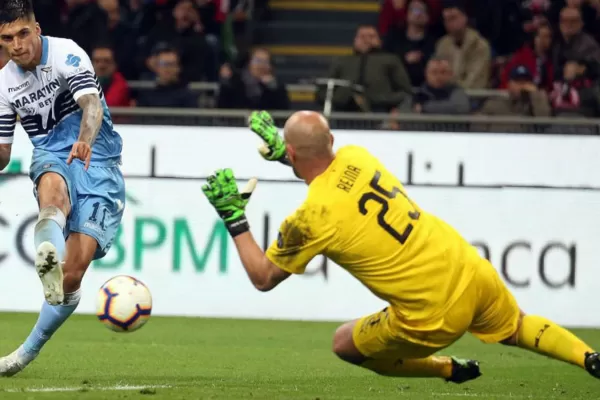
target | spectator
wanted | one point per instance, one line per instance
(114, 85)
(184, 31)
(573, 44)
(438, 95)
(577, 94)
(524, 98)
(254, 88)
(121, 35)
(589, 10)
(414, 45)
(394, 14)
(535, 14)
(537, 58)
(170, 91)
(467, 50)
(381, 74)
(86, 24)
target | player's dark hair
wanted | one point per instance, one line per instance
(12, 10)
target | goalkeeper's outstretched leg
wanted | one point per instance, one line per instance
(545, 337)
(499, 320)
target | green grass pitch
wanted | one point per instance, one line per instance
(194, 358)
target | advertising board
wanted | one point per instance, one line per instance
(542, 242)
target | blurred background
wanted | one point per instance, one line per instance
(375, 59)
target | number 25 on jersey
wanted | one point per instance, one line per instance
(383, 197)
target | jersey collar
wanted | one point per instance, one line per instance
(44, 59)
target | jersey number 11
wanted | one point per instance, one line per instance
(382, 197)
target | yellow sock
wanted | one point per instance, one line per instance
(543, 336)
(439, 367)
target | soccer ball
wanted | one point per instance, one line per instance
(124, 304)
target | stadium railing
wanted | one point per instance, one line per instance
(302, 92)
(366, 121)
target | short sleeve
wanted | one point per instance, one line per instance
(8, 121)
(302, 236)
(76, 68)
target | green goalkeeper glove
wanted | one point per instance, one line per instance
(273, 147)
(222, 192)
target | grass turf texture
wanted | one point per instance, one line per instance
(193, 358)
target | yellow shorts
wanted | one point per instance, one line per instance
(487, 309)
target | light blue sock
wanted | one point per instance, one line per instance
(50, 228)
(51, 318)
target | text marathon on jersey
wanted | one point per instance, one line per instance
(39, 95)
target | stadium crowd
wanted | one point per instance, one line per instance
(544, 53)
(423, 56)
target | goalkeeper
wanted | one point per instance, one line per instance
(358, 214)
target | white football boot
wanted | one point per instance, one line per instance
(49, 269)
(13, 363)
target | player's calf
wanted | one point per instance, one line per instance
(81, 249)
(545, 337)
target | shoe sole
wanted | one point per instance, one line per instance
(50, 272)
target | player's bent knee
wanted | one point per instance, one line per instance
(344, 347)
(52, 191)
(51, 214)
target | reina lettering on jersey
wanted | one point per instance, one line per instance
(40, 96)
(348, 178)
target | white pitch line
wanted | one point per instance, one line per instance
(503, 396)
(86, 388)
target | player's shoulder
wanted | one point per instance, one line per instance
(10, 78)
(62, 45)
(312, 218)
(9, 70)
(65, 52)
(68, 57)
(322, 208)
(355, 152)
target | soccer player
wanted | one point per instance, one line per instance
(358, 214)
(51, 85)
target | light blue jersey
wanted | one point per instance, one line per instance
(46, 102)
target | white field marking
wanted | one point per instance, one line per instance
(502, 396)
(86, 388)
